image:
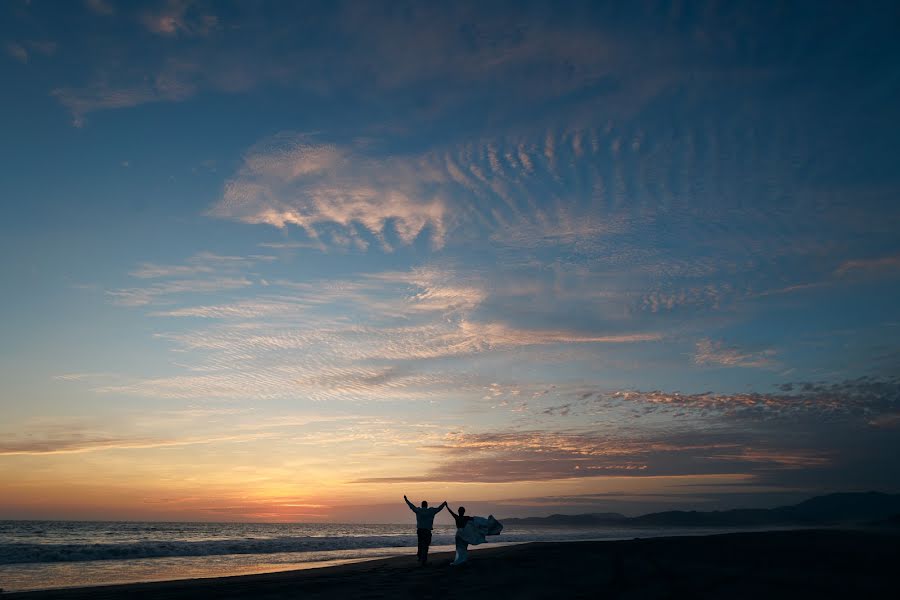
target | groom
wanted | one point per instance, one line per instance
(424, 525)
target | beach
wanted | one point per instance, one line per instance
(781, 564)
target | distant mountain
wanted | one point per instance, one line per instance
(847, 507)
(864, 507)
(572, 520)
(892, 522)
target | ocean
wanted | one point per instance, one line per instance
(56, 554)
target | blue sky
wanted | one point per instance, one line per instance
(261, 255)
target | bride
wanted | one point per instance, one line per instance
(471, 530)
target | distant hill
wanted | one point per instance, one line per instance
(865, 507)
(572, 520)
(892, 522)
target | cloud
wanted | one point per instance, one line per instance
(360, 60)
(290, 245)
(177, 17)
(45, 47)
(889, 420)
(141, 296)
(812, 432)
(82, 376)
(864, 398)
(172, 84)
(432, 339)
(81, 443)
(205, 272)
(319, 384)
(278, 307)
(200, 263)
(794, 459)
(342, 195)
(291, 180)
(499, 335)
(20, 51)
(709, 352)
(792, 289)
(326, 360)
(380, 383)
(356, 338)
(436, 290)
(551, 455)
(100, 7)
(885, 264)
(17, 51)
(713, 295)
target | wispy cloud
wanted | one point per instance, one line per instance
(331, 190)
(290, 245)
(793, 459)
(857, 398)
(17, 51)
(201, 263)
(205, 272)
(77, 444)
(710, 352)
(45, 47)
(22, 51)
(713, 295)
(140, 296)
(330, 360)
(889, 420)
(100, 7)
(279, 307)
(179, 17)
(884, 264)
(82, 376)
(297, 339)
(172, 84)
(569, 55)
(318, 382)
(436, 289)
(291, 180)
(553, 455)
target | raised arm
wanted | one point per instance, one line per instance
(450, 509)
(441, 507)
(410, 504)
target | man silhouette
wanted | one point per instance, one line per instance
(424, 525)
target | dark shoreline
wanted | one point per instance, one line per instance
(776, 564)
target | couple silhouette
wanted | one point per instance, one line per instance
(469, 530)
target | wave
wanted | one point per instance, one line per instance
(25, 552)
(18, 553)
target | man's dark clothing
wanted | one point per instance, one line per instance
(424, 525)
(424, 536)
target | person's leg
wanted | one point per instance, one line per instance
(420, 533)
(462, 551)
(426, 546)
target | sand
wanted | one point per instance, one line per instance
(765, 565)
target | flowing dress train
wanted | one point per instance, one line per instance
(474, 533)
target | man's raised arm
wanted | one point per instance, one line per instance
(441, 507)
(410, 504)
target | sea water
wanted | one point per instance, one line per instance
(56, 554)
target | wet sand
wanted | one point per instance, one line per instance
(764, 565)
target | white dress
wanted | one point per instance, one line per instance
(474, 533)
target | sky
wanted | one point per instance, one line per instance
(289, 261)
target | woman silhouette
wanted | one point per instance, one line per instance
(462, 546)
